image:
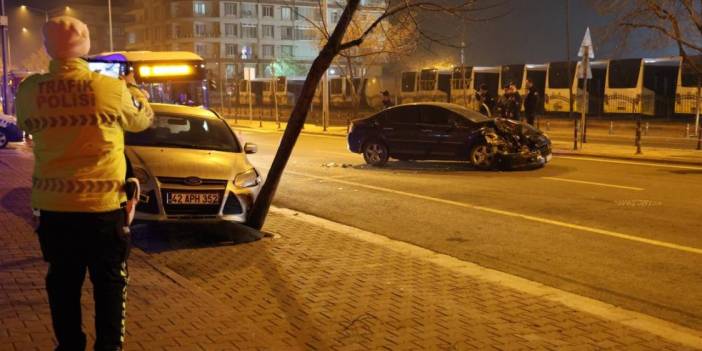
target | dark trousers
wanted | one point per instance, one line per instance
(73, 243)
(530, 117)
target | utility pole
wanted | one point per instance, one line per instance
(109, 19)
(3, 28)
(570, 79)
(325, 78)
(587, 52)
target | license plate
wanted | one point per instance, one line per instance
(192, 198)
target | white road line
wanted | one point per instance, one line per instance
(583, 228)
(636, 163)
(637, 320)
(593, 183)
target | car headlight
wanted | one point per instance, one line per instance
(141, 175)
(247, 179)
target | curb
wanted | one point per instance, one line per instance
(555, 151)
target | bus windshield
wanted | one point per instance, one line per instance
(624, 73)
(558, 74)
(512, 74)
(689, 75)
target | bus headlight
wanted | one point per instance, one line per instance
(247, 179)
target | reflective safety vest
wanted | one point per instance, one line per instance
(77, 119)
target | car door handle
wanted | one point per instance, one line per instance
(426, 130)
(388, 128)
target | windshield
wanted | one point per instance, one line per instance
(558, 74)
(624, 73)
(186, 132)
(471, 115)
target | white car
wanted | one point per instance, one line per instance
(191, 167)
(9, 131)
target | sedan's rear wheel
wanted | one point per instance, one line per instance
(375, 153)
(482, 156)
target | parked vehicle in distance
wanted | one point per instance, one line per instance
(191, 167)
(443, 131)
(9, 131)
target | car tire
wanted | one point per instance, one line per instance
(375, 152)
(4, 139)
(481, 156)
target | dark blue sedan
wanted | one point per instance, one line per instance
(442, 131)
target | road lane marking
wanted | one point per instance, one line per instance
(557, 223)
(637, 320)
(636, 163)
(593, 183)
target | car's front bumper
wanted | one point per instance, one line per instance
(233, 206)
(524, 159)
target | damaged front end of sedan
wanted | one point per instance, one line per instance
(514, 145)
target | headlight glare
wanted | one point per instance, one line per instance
(247, 179)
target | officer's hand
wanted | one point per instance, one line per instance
(129, 78)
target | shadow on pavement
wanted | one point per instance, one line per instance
(161, 237)
(16, 201)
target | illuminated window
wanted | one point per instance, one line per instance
(230, 71)
(286, 13)
(267, 11)
(199, 8)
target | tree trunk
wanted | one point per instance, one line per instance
(257, 216)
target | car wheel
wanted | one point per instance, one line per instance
(482, 156)
(3, 139)
(375, 153)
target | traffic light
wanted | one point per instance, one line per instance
(212, 84)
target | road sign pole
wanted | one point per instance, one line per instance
(583, 107)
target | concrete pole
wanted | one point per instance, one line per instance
(570, 78)
(109, 19)
(325, 78)
(697, 108)
(583, 107)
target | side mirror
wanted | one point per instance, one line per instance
(250, 148)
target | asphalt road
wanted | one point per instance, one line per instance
(622, 232)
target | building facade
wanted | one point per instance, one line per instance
(276, 37)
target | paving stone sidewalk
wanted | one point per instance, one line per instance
(303, 287)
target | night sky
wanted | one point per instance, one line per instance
(532, 32)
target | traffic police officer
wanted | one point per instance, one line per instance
(77, 119)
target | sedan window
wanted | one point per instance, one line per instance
(434, 115)
(402, 115)
(185, 132)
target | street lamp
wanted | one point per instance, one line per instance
(26, 8)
